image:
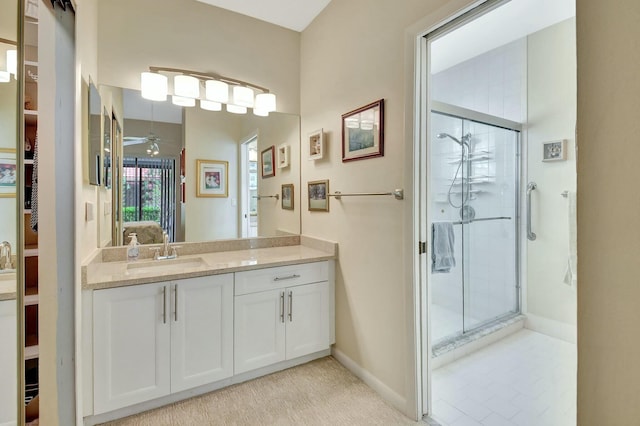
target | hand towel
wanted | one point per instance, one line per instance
(442, 247)
(571, 275)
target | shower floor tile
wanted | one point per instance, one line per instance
(527, 378)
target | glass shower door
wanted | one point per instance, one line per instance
(489, 225)
(473, 182)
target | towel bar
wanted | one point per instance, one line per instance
(397, 193)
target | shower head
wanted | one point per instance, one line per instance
(464, 142)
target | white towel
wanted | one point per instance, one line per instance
(442, 247)
(571, 276)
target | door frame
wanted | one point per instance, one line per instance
(459, 14)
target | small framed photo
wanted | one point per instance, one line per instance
(287, 196)
(268, 169)
(283, 156)
(213, 178)
(554, 151)
(319, 196)
(8, 173)
(316, 145)
(363, 132)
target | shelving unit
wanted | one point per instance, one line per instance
(31, 299)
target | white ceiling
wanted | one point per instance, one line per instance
(293, 14)
(512, 21)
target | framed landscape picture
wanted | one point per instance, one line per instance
(363, 132)
(319, 196)
(268, 169)
(213, 178)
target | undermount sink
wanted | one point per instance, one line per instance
(165, 266)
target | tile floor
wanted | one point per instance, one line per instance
(527, 378)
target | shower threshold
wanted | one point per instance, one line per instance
(491, 328)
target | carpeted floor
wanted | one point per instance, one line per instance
(321, 392)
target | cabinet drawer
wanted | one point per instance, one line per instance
(281, 276)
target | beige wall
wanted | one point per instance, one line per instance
(551, 115)
(353, 54)
(196, 36)
(608, 205)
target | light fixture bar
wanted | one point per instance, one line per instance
(208, 75)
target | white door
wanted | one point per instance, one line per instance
(131, 345)
(201, 331)
(307, 319)
(259, 334)
(9, 363)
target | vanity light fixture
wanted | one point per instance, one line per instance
(266, 102)
(182, 101)
(243, 96)
(186, 89)
(5, 76)
(236, 109)
(186, 86)
(210, 105)
(217, 91)
(154, 86)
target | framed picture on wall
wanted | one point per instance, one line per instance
(268, 168)
(316, 145)
(212, 178)
(319, 196)
(8, 172)
(283, 156)
(287, 196)
(554, 151)
(363, 132)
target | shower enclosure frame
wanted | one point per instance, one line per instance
(498, 122)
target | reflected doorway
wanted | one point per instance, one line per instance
(249, 187)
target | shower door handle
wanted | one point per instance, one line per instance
(530, 187)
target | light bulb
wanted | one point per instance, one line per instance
(186, 86)
(153, 86)
(217, 91)
(185, 102)
(266, 102)
(243, 96)
(260, 112)
(210, 105)
(235, 109)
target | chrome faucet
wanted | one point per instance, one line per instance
(168, 251)
(5, 255)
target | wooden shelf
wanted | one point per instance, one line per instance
(28, 161)
(30, 250)
(31, 352)
(32, 299)
(30, 117)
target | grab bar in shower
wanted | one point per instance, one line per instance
(530, 187)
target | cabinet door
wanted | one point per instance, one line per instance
(259, 330)
(201, 331)
(8, 363)
(131, 345)
(307, 319)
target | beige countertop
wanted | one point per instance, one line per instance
(101, 275)
(8, 286)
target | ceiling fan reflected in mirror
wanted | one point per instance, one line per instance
(151, 140)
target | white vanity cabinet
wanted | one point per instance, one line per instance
(281, 313)
(8, 364)
(151, 340)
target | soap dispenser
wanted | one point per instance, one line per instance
(133, 250)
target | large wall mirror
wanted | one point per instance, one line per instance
(196, 174)
(9, 190)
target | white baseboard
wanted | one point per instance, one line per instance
(557, 329)
(391, 396)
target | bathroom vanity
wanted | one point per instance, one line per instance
(158, 331)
